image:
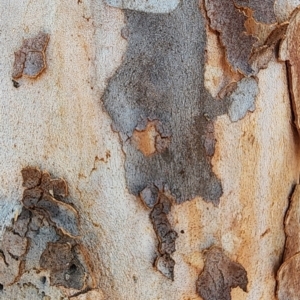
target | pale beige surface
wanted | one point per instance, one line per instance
(57, 123)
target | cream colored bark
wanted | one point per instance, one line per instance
(57, 123)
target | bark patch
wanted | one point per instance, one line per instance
(43, 195)
(162, 80)
(263, 11)
(242, 99)
(166, 236)
(44, 239)
(161, 206)
(30, 60)
(219, 276)
(229, 21)
(65, 268)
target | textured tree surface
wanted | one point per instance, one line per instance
(149, 149)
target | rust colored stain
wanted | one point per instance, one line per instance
(145, 140)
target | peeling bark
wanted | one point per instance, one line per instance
(288, 274)
(289, 51)
(42, 239)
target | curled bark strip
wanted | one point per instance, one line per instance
(292, 226)
(289, 272)
(262, 55)
(289, 51)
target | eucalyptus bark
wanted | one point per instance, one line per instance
(149, 149)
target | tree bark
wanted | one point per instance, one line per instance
(149, 149)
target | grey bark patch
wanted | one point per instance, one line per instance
(229, 22)
(64, 216)
(149, 196)
(162, 79)
(21, 224)
(30, 60)
(242, 99)
(152, 6)
(263, 11)
(219, 276)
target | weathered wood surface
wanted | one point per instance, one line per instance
(65, 122)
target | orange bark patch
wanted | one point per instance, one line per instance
(149, 140)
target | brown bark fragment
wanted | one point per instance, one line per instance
(263, 11)
(292, 226)
(230, 23)
(288, 279)
(166, 236)
(262, 55)
(65, 268)
(219, 276)
(41, 241)
(31, 177)
(289, 272)
(30, 60)
(43, 199)
(289, 51)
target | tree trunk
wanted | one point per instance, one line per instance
(149, 149)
